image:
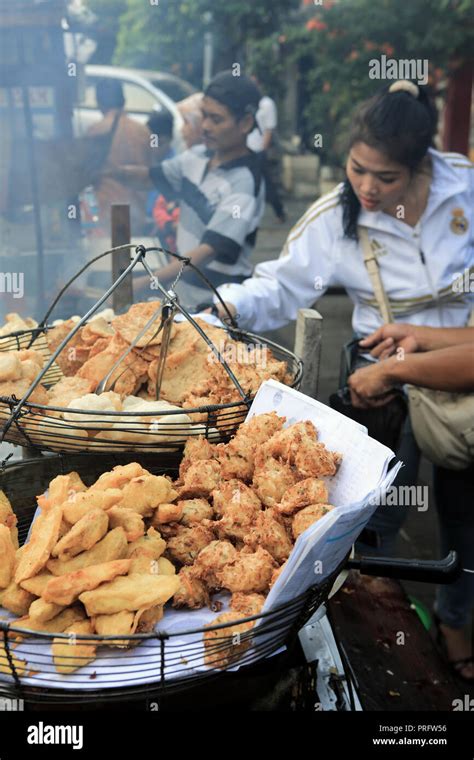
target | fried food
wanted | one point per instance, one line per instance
(307, 491)
(247, 604)
(61, 488)
(66, 589)
(112, 546)
(298, 446)
(166, 513)
(119, 476)
(195, 511)
(7, 557)
(225, 646)
(151, 546)
(57, 624)
(10, 366)
(71, 654)
(145, 564)
(43, 611)
(196, 449)
(271, 480)
(250, 572)
(239, 511)
(83, 535)
(19, 388)
(6, 662)
(16, 599)
(213, 558)
(188, 542)
(234, 492)
(106, 402)
(237, 459)
(270, 533)
(201, 478)
(118, 624)
(67, 389)
(307, 516)
(15, 323)
(192, 592)
(79, 504)
(74, 354)
(143, 494)
(43, 538)
(130, 521)
(98, 329)
(129, 593)
(128, 325)
(8, 518)
(37, 584)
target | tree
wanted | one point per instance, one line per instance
(334, 44)
(169, 35)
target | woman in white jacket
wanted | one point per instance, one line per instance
(417, 205)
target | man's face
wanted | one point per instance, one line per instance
(221, 130)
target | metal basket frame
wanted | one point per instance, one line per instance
(276, 629)
(18, 409)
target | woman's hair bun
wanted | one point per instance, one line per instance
(403, 85)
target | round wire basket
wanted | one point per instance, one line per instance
(53, 428)
(158, 664)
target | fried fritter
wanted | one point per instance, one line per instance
(196, 449)
(224, 646)
(213, 558)
(272, 479)
(308, 491)
(188, 542)
(192, 591)
(307, 516)
(201, 478)
(251, 572)
(247, 604)
(269, 532)
(195, 511)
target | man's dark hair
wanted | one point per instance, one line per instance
(238, 93)
(109, 94)
(161, 123)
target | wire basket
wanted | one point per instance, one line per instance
(160, 663)
(43, 428)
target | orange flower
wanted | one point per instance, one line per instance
(369, 45)
(326, 86)
(353, 56)
(387, 49)
(315, 23)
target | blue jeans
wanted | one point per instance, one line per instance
(454, 494)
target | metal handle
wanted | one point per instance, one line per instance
(441, 571)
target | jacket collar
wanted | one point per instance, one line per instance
(446, 183)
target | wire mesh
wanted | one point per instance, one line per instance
(163, 660)
(43, 428)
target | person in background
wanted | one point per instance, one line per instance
(130, 145)
(220, 188)
(162, 214)
(440, 359)
(190, 110)
(263, 141)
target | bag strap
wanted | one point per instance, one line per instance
(373, 269)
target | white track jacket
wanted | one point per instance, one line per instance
(427, 271)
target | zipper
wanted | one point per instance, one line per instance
(431, 286)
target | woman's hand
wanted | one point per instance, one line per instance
(389, 339)
(221, 312)
(371, 386)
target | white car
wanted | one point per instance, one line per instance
(142, 97)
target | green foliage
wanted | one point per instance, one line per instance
(334, 44)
